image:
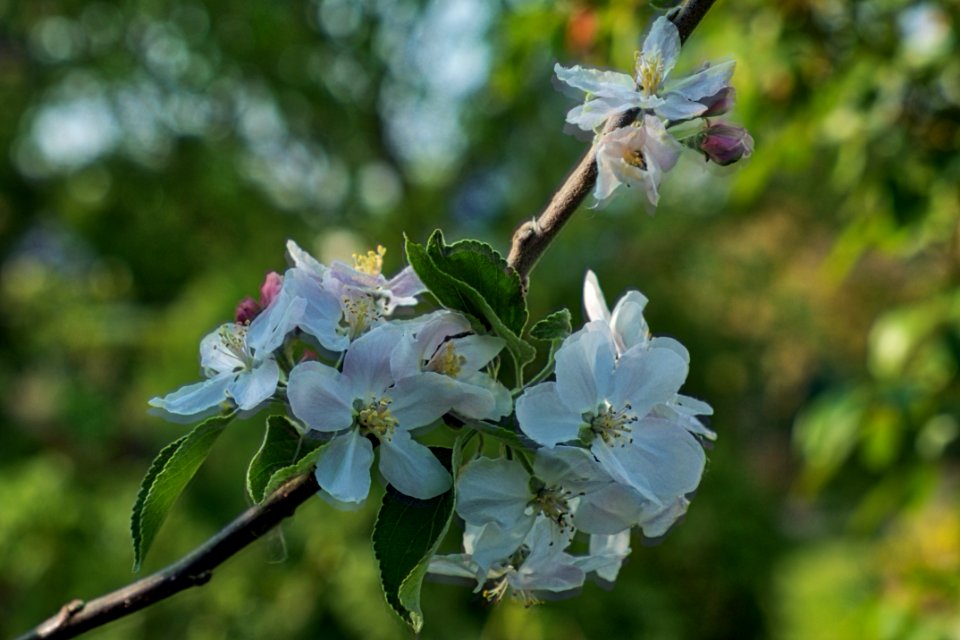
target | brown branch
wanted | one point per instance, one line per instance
(193, 570)
(531, 239)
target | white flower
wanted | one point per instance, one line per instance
(636, 155)
(606, 403)
(369, 401)
(443, 342)
(365, 277)
(235, 371)
(540, 564)
(629, 329)
(610, 93)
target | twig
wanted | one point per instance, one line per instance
(531, 239)
(193, 570)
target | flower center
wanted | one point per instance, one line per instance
(376, 418)
(634, 158)
(611, 425)
(233, 342)
(372, 263)
(649, 73)
(554, 503)
(447, 361)
(360, 310)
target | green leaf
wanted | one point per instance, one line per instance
(309, 452)
(480, 266)
(454, 293)
(168, 475)
(506, 436)
(405, 537)
(556, 326)
(281, 447)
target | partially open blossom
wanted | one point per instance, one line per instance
(444, 342)
(607, 404)
(540, 564)
(725, 143)
(235, 371)
(637, 155)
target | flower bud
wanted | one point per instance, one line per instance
(719, 103)
(270, 288)
(247, 310)
(725, 143)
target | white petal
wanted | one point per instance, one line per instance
(675, 107)
(319, 397)
(658, 521)
(496, 491)
(322, 312)
(492, 545)
(269, 329)
(481, 397)
(594, 112)
(663, 462)
(663, 40)
(343, 469)
(584, 367)
(607, 553)
(457, 565)
(411, 468)
(610, 509)
(607, 178)
(404, 289)
(367, 362)
(594, 81)
(593, 301)
(251, 388)
(571, 467)
(195, 398)
(303, 260)
(478, 351)
(544, 418)
(628, 323)
(659, 144)
(419, 400)
(647, 377)
(705, 82)
(662, 342)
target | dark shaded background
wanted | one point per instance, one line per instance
(159, 153)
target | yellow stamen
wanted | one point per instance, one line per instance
(376, 418)
(372, 263)
(447, 361)
(634, 158)
(649, 73)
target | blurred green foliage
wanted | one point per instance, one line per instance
(159, 152)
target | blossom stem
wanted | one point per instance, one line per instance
(532, 238)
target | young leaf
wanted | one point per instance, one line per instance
(168, 475)
(405, 537)
(486, 271)
(458, 295)
(309, 452)
(556, 326)
(281, 447)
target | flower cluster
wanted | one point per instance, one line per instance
(614, 446)
(640, 153)
(363, 379)
(607, 444)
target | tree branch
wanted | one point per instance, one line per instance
(193, 570)
(531, 239)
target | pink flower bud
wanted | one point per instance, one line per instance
(719, 103)
(725, 143)
(247, 310)
(270, 289)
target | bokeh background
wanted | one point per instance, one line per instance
(156, 154)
